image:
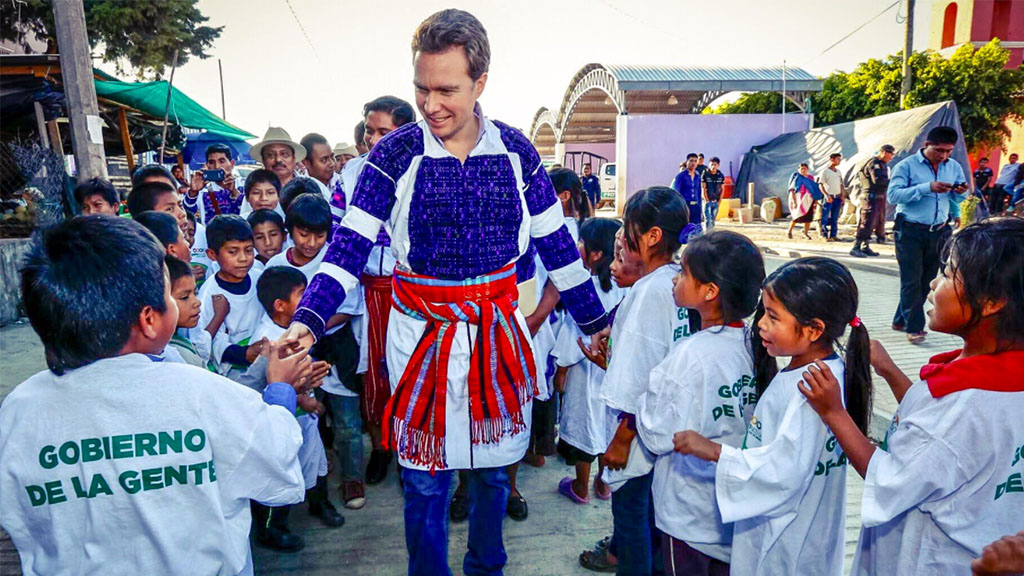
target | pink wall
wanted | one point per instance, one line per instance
(606, 149)
(656, 144)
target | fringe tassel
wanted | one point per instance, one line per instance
(419, 447)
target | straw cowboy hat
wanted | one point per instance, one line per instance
(346, 148)
(277, 135)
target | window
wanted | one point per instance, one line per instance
(609, 169)
(1001, 19)
(949, 26)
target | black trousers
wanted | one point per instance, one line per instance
(918, 252)
(996, 196)
(872, 217)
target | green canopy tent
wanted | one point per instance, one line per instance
(151, 99)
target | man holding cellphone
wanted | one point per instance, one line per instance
(215, 190)
(927, 189)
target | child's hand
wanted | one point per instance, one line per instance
(319, 371)
(297, 337)
(294, 369)
(307, 403)
(559, 381)
(1004, 556)
(821, 388)
(221, 306)
(617, 455)
(199, 272)
(690, 442)
(253, 351)
(598, 357)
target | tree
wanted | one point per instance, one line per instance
(141, 33)
(986, 94)
(754, 103)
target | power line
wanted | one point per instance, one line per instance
(302, 29)
(855, 30)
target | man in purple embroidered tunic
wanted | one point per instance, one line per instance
(208, 199)
(461, 197)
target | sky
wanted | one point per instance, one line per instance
(310, 65)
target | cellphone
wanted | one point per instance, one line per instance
(213, 175)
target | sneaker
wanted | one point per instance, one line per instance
(831, 239)
(916, 337)
(280, 540)
(353, 493)
(598, 561)
(327, 514)
(377, 467)
(517, 509)
(565, 489)
(867, 250)
(458, 510)
(857, 252)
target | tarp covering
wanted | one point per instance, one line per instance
(151, 98)
(770, 165)
(194, 152)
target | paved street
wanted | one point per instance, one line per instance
(371, 542)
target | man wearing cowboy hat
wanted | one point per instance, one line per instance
(279, 153)
(343, 152)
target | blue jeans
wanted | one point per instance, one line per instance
(426, 520)
(830, 212)
(710, 214)
(637, 540)
(348, 435)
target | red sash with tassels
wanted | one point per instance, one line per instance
(502, 374)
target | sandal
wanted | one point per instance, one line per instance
(565, 489)
(597, 561)
(605, 494)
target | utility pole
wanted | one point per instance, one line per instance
(223, 108)
(76, 72)
(783, 96)
(908, 49)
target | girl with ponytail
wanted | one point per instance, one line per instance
(785, 489)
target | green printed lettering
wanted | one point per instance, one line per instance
(36, 495)
(198, 470)
(145, 444)
(725, 391)
(129, 480)
(830, 444)
(170, 442)
(48, 457)
(213, 473)
(99, 486)
(682, 314)
(677, 333)
(195, 440)
(55, 492)
(1016, 456)
(92, 449)
(122, 446)
(68, 453)
(174, 474)
(151, 479)
(723, 410)
(76, 483)
(1013, 484)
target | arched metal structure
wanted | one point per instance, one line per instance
(598, 94)
(544, 132)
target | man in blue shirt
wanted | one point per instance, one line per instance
(687, 183)
(927, 189)
(591, 186)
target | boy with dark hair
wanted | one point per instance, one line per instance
(262, 191)
(268, 233)
(279, 290)
(97, 196)
(153, 173)
(298, 186)
(144, 445)
(167, 231)
(308, 224)
(183, 290)
(207, 199)
(158, 196)
(231, 248)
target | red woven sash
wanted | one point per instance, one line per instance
(502, 376)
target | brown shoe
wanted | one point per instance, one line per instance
(916, 337)
(353, 493)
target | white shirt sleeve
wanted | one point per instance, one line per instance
(667, 406)
(765, 481)
(920, 468)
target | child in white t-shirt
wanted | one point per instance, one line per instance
(183, 290)
(785, 488)
(262, 192)
(231, 246)
(706, 384)
(308, 224)
(268, 234)
(141, 460)
(583, 423)
(647, 325)
(947, 479)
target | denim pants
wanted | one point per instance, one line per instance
(426, 520)
(637, 540)
(918, 252)
(710, 214)
(830, 216)
(348, 435)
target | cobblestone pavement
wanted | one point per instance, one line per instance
(549, 541)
